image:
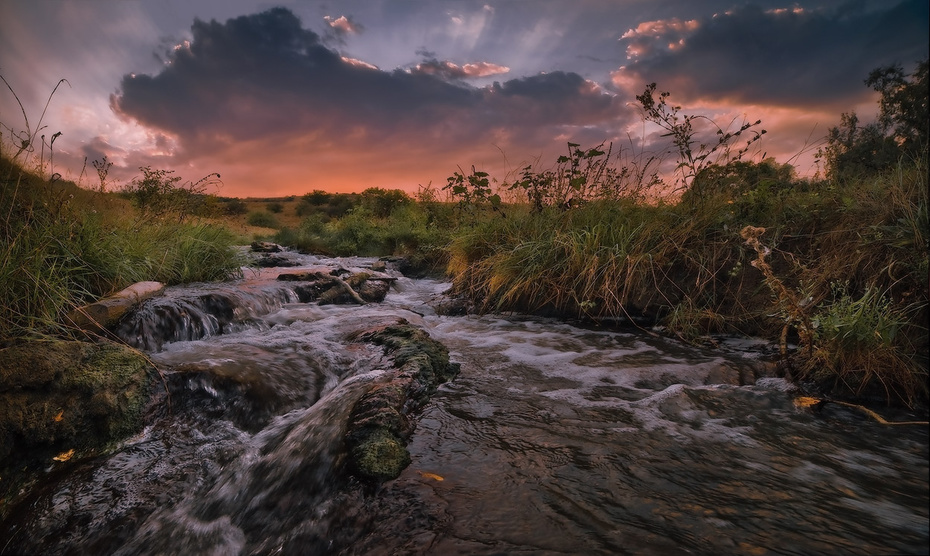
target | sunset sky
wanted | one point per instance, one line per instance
(284, 97)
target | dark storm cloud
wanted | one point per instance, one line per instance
(265, 77)
(789, 57)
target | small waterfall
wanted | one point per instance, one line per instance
(193, 315)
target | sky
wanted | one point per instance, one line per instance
(289, 96)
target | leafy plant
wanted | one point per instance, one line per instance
(859, 346)
(473, 191)
(693, 157)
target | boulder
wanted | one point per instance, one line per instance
(272, 260)
(265, 247)
(326, 287)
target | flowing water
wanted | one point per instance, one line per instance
(553, 439)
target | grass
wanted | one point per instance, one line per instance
(686, 266)
(62, 246)
(844, 271)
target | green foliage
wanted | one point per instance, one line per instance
(473, 191)
(331, 205)
(382, 202)
(275, 207)
(418, 231)
(317, 198)
(903, 105)
(262, 219)
(859, 347)
(853, 152)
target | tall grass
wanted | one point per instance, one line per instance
(61, 246)
(685, 265)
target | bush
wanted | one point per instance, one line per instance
(382, 202)
(235, 207)
(158, 194)
(262, 220)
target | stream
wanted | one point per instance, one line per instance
(553, 439)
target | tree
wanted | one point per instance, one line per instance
(903, 105)
(901, 130)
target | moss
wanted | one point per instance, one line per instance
(57, 396)
(380, 456)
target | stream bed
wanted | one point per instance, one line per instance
(554, 438)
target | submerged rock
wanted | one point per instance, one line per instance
(64, 400)
(328, 288)
(272, 260)
(265, 247)
(381, 421)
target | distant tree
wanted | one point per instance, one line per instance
(903, 113)
(275, 207)
(317, 197)
(853, 151)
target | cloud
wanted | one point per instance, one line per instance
(646, 37)
(782, 57)
(344, 25)
(450, 70)
(263, 88)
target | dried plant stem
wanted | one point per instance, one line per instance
(795, 312)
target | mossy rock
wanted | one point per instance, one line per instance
(380, 456)
(66, 399)
(382, 420)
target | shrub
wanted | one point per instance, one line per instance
(382, 202)
(235, 207)
(262, 220)
(159, 194)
